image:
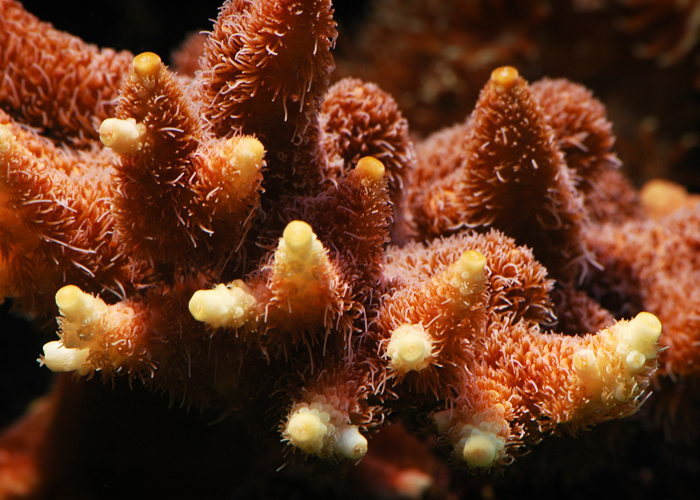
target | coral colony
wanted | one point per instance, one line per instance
(254, 233)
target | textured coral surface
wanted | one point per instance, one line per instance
(253, 265)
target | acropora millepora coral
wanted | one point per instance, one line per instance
(254, 233)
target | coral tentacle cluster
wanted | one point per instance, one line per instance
(255, 234)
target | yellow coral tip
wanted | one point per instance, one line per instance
(6, 138)
(472, 263)
(122, 136)
(410, 348)
(641, 334)
(197, 305)
(370, 168)
(505, 76)
(248, 155)
(69, 297)
(466, 276)
(649, 322)
(223, 306)
(586, 364)
(146, 65)
(306, 431)
(480, 450)
(298, 237)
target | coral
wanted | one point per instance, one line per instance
(511, 171)
(273, 250)
(55, 80)
(663, 273)
(433, 57)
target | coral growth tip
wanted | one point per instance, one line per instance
(298, 236)
(505, 76)
(146, 64)
(370, 168)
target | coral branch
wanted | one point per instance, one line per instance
(246, 86)
(510, 176)
(55, 227)
(53, 80)
(175, 184)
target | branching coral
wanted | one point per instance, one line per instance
(434, 55)
(255, 241)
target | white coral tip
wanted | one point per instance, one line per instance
(635, 361)
(306, 431)
(223, 306)
(411, 348)
(413, 484)
(443, 420)
(351, 443)
(122, 136)
(62, 359)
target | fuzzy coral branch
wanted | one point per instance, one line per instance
(324, 420)
(547, 380)
(301, 288)
(97, 337)
(51, 219)
(177, 188)
(53, 80)
(246, 86)
(658, 262)
(510, 175)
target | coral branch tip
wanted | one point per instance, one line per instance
(371, 169)
(505, 76)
